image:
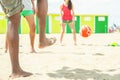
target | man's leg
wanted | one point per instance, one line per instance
(6, 44)
(12, 10)
(42, 6)
(13, 40)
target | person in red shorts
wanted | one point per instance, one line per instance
(67, 16)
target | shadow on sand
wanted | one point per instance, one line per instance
(80, 74)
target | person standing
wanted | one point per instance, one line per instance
(12, 9)
(67, 16)
(28, 13)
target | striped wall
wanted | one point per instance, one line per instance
(98, 23)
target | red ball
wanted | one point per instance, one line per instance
(85, 31)
(111, 30)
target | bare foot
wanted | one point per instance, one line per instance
(47, 42)
(62, 44)
(75, 44)
(19, 74)
(32, 51)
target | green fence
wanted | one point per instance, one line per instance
(98, 23)
(101, 24)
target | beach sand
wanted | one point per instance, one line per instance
(91, 59)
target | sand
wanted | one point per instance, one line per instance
(91, 59)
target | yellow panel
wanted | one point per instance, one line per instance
(24, 26)
(88, 20)
(55, 24)
(3, 23)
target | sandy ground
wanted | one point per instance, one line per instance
(91, 59)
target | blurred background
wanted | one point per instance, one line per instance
(100, 15)
(109, 7)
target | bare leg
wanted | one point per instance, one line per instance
(42, 6)
(62, 32)
(13, 40)
(30, 20)
(73, 31)
(6, 44)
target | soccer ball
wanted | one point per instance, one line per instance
(85, 31)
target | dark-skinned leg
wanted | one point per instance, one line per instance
(13, 40)
(42, 6)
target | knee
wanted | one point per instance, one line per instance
(12, 36)
(73, 31)
(63, 31)
(32, 28)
